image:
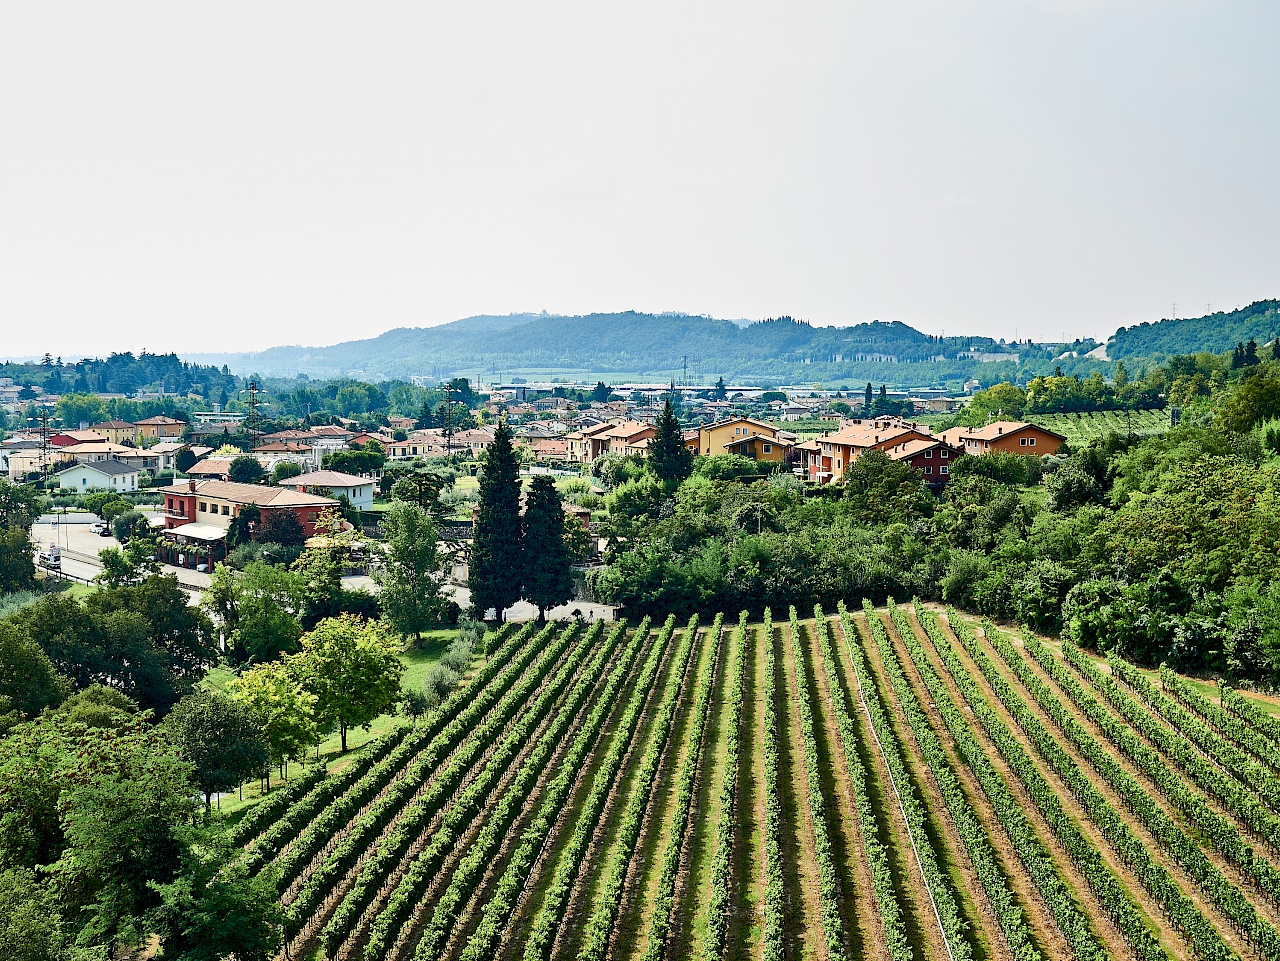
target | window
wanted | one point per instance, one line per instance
(1031, 442)
(945, 470)
(203, 508)
(768, 448)
(226, 509)
(928, 468)
(928, 453)
(944, 453)
(1022, 442)
(311, 516)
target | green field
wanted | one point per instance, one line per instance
(1080, 429)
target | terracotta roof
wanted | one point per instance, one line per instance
(767, 438)
(909, 448)
(868, 435)
(325, 478)
(99, 447)
(166, 447)
(252, 494)
(159, 419)
(282, 447)
(992, 431)
(112, 425)
(210, 465)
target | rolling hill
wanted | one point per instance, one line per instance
(655, 347)
(1260, 321)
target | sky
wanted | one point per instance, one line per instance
(233, 176)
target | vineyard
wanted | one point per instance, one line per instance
(1081, 428)
(895, 784)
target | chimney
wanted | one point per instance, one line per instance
(999, 430)
(191, 485)
(300, 488)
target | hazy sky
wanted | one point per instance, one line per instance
(209, 177)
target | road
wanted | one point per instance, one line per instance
(80, 545)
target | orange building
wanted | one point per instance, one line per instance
(1005, 436)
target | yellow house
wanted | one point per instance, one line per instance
(745, 436)
(159, 428)
(116, 431)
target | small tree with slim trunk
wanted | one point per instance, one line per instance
(353, 668)
(221, 737)
(410, 576)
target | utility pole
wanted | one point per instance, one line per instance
(253, 422)
(448, 420)
(43, 415)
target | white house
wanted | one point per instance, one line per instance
(331, 483)
(108, 474)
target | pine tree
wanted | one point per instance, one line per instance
(720, 391)
(495, 551)
(425, 417)
(670, 461)
(866, 403)
(548, 577)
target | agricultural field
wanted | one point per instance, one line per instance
(1081, 428)
(895, 784)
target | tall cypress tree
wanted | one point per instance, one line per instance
(670, 461)
(866, 403)
(548, 577)
(495, 551)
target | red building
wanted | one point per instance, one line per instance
(931, 456)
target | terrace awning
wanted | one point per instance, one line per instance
(199, 532)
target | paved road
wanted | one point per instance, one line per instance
(80, 547)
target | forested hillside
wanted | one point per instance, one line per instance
(1259, 322)
(656, 346)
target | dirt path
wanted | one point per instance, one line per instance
(631, 933)
(469, 914)
(1260, 844)
(803, 928)
(1241, 879)
(1186, 884)
(1173, 945)
(693, 888)
(858, 907)
(746, 920)
(581, 900)
(909, 885)
(1037, 913)
(1103, 926)
(985, 932)
(544, 869)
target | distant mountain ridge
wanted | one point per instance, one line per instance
(656, 347)
(629, 342)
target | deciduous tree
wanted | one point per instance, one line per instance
(410, 574)
(221, 738)
(353, 668)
